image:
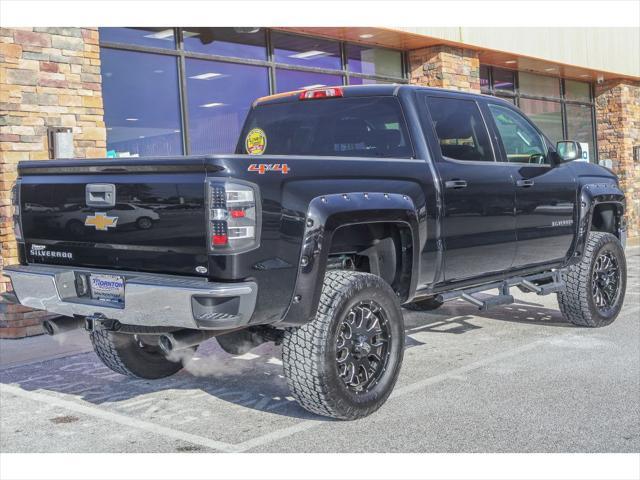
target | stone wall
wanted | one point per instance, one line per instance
(618, 126)
(49, 77)
(446, 67)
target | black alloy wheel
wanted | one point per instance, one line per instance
(605, 282)
(362, 346)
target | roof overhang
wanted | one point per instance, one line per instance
(404, 40)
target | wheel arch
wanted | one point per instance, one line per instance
(601, 208)
(331, 219)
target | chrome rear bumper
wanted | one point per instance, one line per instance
(149, 300)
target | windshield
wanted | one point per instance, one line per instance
(354, 127)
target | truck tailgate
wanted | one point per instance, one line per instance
(155, 223)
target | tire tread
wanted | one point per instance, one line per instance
(106, 350)
(574, 300)
(304, 348)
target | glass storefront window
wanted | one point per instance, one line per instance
(230, 42)
(580, 127)
(287, 80)
(546, 115)
(484, 79)
(503, 80)
(366, 81)
(538, 85)
(577, 91)
(149, 37)
(142, 110)
(219, 97)
(152, 71)
(374, 61)
(306, 51)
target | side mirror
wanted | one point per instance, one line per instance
(568, 150)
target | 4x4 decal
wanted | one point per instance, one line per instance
(263, 168)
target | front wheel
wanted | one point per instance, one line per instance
(596, 286)
(345, 363)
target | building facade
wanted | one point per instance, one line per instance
(126, 92)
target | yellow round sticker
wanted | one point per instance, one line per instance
(256, 142)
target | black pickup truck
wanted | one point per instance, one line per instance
(339, 206)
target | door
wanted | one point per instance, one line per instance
(478, 226)
(545, 193)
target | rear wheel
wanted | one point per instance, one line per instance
(144, 223)
(596, 286)
(345, 362)
(133, 355)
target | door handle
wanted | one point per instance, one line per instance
(456, 184)
(525, 183)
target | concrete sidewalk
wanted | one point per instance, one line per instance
(24, 351)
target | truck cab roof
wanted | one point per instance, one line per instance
(386, 89)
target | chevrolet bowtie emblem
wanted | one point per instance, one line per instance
(101, 221)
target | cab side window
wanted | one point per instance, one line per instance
(460, 128)
(521, 142)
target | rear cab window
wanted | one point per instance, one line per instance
(347, 127)
(460, 129)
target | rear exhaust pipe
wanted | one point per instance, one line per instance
(186, 338)
(58, 325)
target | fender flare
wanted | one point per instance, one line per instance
(591, 195)
(325, 215)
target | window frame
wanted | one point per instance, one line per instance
(182, 54)
(489, 129)
(546, 143)
(176, 96)
(516, 95)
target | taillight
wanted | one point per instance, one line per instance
(233, 217)
(15, 203)
(316, 93)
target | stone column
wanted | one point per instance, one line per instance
(49, 77)
(618, 127)
(447, 67)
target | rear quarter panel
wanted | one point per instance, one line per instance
(285, 201)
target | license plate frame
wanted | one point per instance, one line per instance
(107, 288)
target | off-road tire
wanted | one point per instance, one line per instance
(423, 305)
(309, 351)
(122, 354)
(576, 302)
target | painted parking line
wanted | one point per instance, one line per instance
(456, 373)
(80, 407)
(127, 421)
(399, 392)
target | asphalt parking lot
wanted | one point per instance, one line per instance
(514, 379)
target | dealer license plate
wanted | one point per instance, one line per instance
(108, 288)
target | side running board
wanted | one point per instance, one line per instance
(541, 283)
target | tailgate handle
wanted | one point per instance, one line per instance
(100, 195)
